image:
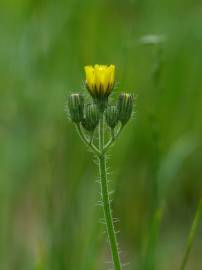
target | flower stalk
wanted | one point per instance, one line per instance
(106, 200)
(99, 116)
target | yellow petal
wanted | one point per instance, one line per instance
(99, 77)
(90, 76)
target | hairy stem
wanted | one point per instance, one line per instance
(192, 233)
(112, 140)
(87, 141)
(106, 201)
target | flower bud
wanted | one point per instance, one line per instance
(125, 107)
(91, 119)
(76, 107)
(111, 116)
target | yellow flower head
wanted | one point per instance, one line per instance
(100, 80)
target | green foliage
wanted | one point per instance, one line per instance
(48, 218)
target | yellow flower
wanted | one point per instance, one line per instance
(100, 80)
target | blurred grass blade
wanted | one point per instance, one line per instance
(192, 233)
(149, 258)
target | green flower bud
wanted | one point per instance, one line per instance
(91, 119)
(111, 116)
(76, 107)
(125, 107)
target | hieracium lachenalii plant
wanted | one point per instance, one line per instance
(100, 117)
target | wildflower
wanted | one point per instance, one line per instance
(100, 113)
(100, 80)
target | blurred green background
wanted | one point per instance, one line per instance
(48, 194)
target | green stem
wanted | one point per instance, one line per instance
(192, 233)
(106, 201)
(87, 141)
(112, 140)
